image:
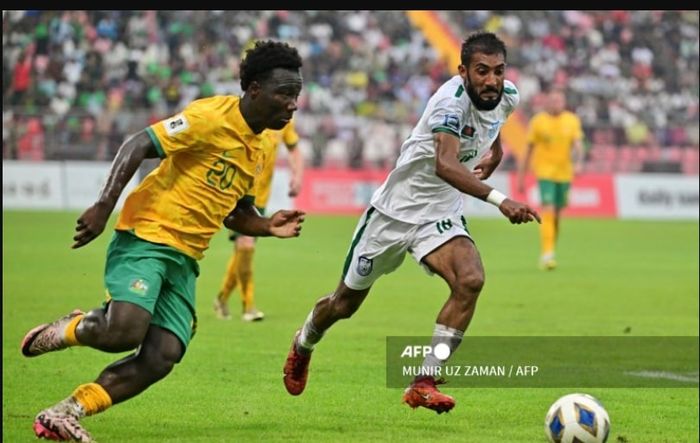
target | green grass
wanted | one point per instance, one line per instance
(613, 276)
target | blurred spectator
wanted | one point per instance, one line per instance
(630, 75)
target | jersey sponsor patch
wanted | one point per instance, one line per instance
(451, 121)
(176, 124)
(364, 266)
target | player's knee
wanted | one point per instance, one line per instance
(468, 286)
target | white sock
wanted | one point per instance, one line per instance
(432, 365)
(309, 335)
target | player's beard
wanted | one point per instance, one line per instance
(481, 104)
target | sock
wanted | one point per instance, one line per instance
(69, 333)
(87, 399)
(309, 335)
(92, 398)
(230, 278)
(432, 365)
(547, 232)
(244, 271)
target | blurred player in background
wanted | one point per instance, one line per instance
(239, 270)
(211, 153)
(554, 142)
(419, 209)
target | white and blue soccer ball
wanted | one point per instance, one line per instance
(577, 418)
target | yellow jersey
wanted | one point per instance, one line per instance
(210, 160)
(271, 139)
(553, 137)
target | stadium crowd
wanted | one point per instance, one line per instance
(76, 82)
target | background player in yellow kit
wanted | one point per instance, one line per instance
(211, 153)
(239, 270)
(555, 146)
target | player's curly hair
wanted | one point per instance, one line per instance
(265, 56)
(484, 42)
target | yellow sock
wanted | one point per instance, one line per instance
(92, 397)
(230, 278)
(245, 276)
(70, 338)
(547, 232)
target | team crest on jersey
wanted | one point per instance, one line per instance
(139, 286)
(364, 266)
(176, 124)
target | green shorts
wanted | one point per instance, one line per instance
(554, 193)
(157, 277)
(233, 235)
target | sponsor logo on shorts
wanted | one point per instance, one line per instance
(364, 266)
(139, 286)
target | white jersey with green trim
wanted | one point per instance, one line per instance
(412, 192)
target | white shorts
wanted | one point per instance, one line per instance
(380, 243)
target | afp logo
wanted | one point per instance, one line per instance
(441, 351)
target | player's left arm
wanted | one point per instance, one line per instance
(246, 219)
(490, 162)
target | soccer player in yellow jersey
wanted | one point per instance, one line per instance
(211, 153)
(555, 146)
(239, 271)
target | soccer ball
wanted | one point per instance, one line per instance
(577, 418)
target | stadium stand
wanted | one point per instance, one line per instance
(76, 82)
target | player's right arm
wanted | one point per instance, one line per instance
(448, 168)
(129, 157)
(246, 219)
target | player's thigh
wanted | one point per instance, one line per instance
(378, 247)
(162, 347)
(561, 195)
(175, 309)
(548, 192)
(134, 271)
(448, 250)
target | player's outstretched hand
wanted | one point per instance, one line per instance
(286, 223)
(518, 212)
(90, 224)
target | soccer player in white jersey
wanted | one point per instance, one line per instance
(419, 209)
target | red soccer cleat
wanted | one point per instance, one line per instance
(296, 368)
(422, 392)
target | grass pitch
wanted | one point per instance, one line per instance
(615, 278)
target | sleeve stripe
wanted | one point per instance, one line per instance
(156, 142)
(447, 130)
(248, 198)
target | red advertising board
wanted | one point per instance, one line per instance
(338, 191)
